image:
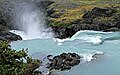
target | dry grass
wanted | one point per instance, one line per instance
(74, 9)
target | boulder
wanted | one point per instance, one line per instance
(64, 32)
(64, 61)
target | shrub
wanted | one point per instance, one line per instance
(14, 62)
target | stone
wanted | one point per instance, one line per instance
(113, 29)
(64, 61)
(9, 36)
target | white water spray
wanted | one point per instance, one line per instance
(31, 20)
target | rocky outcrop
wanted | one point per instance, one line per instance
(63, 32)
(98, 19)
(64, 61)
(95, 12)
(5, 34)
(9, 36)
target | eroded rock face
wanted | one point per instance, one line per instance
(98, 19)
(64, 61)
(9, 36)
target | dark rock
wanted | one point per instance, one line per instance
(56, 15)
(98, 19)
(64, 32)
(64, 61)
(48, 21)
(63, 55)
(97, 55)
(75, 62)
(103, 11)
(89, 15)
(117, 24)
(112, 29)
(88, 20)
(50, 11)
(74, 55)
(9, 36)
(104, 25)
(65, 67)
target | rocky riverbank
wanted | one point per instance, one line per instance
(68, 17)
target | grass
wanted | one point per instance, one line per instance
(74, 9)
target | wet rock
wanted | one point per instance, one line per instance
(97, 55)
(9, 36)
(64, 61)
(64, 32)
(112, 29)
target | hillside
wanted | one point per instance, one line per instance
(65, 14)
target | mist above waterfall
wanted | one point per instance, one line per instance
(29, 19)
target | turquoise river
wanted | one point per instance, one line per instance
(85, 43)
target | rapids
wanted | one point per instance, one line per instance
(85, 43)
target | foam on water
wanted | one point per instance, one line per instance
(83, 36)
(87, 57)
(25, 36)
(94, 37)
(102, 59)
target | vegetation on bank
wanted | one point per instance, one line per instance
(14, 62)
(68, 11)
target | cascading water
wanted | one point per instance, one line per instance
(31, 21)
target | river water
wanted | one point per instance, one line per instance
(29, 19)
(85, 43)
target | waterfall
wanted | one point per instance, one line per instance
(30, 20)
